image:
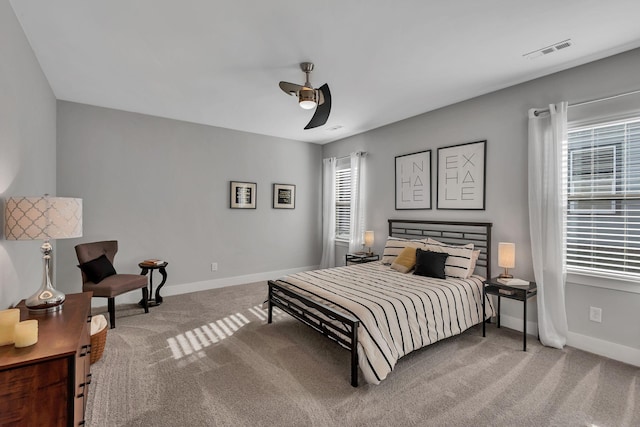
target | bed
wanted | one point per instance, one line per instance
(380, 314)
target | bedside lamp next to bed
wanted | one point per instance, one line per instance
(368, 241)
(506, 258)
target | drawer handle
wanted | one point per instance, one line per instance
(85, 349)
(82, 387)
(88, 378)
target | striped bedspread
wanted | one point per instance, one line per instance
(398, 312)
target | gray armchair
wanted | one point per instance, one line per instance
(108, 284)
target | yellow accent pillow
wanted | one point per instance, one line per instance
(405, 261)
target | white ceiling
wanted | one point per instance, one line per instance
(219, 62)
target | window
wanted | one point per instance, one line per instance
(343, 200)
(592, 173)
(603, 195)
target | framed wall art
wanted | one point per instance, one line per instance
(461, 176)
(284, 196)
(413, 181)
(243, 195)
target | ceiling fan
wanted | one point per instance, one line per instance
(309, 98)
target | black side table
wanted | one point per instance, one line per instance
(145, 269)
(360, 258)
(493, 287)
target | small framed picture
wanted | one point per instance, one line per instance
(243, 195)
(284, 196)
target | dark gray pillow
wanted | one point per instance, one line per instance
(430, 264)
(98, 269)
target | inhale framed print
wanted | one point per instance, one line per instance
(284, 196)
(243, 195)
(461, 176)
(413, 181)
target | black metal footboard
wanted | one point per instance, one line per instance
(343, 332)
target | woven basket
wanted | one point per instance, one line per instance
(97, 344)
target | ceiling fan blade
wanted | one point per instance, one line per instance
(323, 109)
(290, 88)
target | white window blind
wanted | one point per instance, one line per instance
(602, 171)
(343, 203)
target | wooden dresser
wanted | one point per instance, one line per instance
(47, 384)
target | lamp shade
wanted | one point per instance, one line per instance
(368, 238)
(506, 255)
(42, 218)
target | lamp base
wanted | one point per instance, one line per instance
(45, 301)
(506, 276)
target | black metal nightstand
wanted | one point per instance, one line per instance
(360, 258)
(519, 293)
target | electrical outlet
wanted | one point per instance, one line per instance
(214, 266)
(595, 314)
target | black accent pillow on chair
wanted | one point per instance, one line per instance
(98, 269)
(430, 264)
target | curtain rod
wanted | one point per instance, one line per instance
(591, 101)
(364, 153)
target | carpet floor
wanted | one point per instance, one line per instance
(210, 359)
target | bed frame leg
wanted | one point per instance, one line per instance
(354, 355)
(270, 306)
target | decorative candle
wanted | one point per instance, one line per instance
(8, 320)
(26, 333)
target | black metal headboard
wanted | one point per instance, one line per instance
(452, 232)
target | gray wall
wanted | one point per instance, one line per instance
(501, 119)
(161, 188)
(27, 151)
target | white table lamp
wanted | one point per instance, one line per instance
(43, 218)
(368, 240)
(506, 258)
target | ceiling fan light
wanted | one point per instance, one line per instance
(307, 105)
(307, 98)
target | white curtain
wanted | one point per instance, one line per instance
(547, 201)
(328, 213)
(356, 218)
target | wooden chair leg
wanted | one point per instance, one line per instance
(145, 299)
(112, 311)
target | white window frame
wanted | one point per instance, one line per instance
(605, 278)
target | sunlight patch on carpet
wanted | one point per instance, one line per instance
(192, 342)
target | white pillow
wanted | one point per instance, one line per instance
(460, 262)
(395, 245)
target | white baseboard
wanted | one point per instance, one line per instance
(614, 351)
(516, 324)
(185, 288)
(608, 349)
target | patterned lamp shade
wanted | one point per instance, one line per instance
(42, 218)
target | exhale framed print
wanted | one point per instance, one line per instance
(243, 195)
(413, 181)
(284, 196)
(461, 176)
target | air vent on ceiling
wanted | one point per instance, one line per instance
(549, 49)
